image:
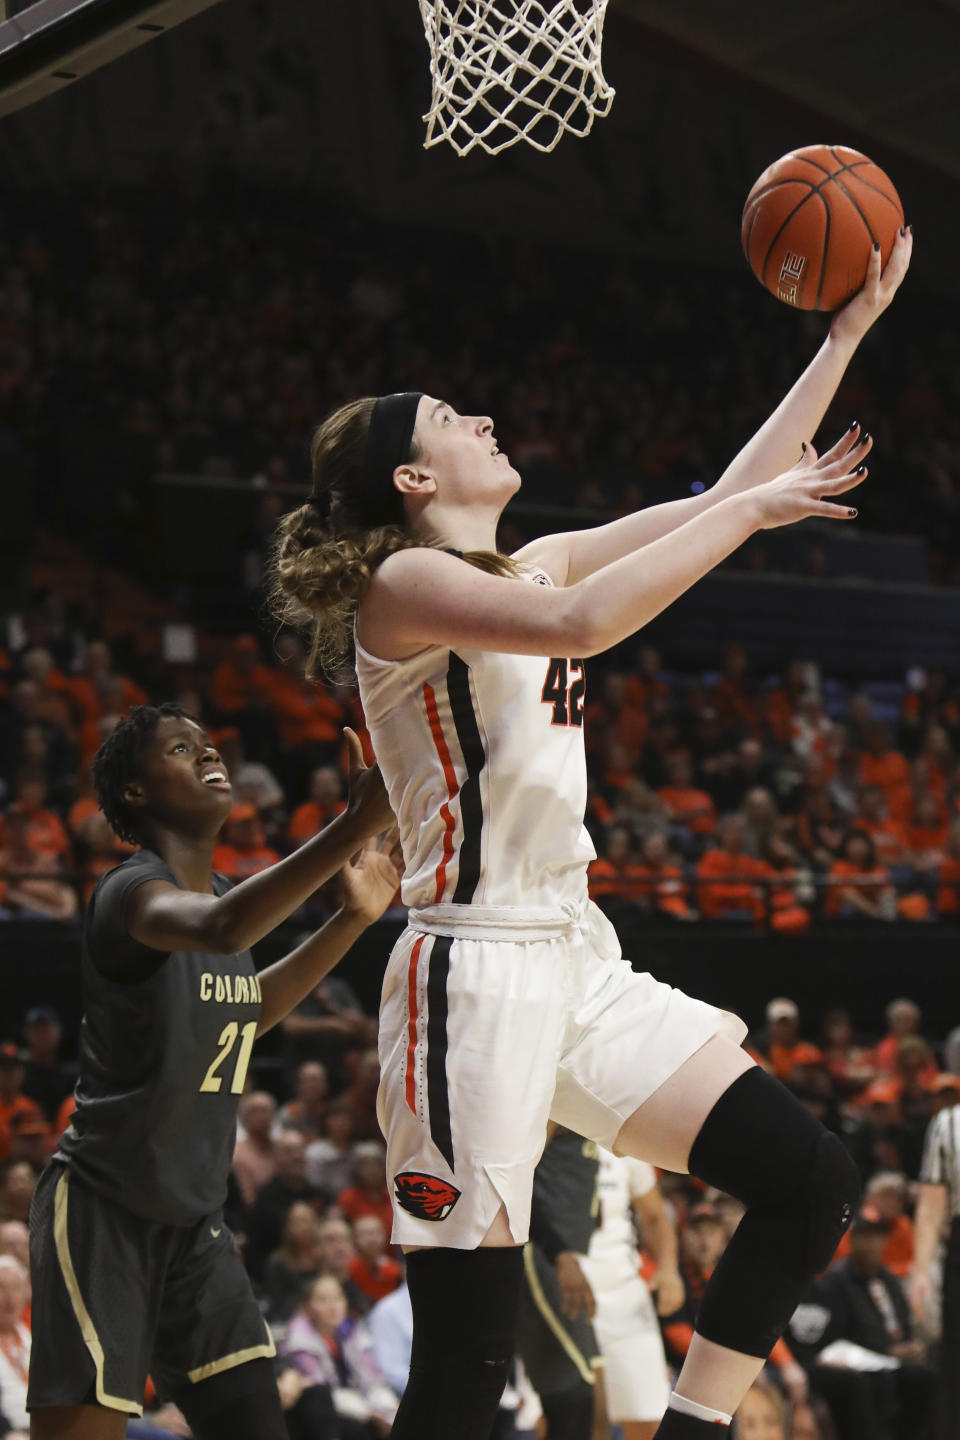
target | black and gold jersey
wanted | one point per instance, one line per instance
(164, 1049)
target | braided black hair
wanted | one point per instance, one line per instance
(117, 762)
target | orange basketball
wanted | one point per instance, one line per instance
(810, 221)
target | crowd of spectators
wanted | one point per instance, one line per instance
(311, 1213)
(134, 341)
(780, 801)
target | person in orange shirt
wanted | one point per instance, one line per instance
(733, 696)
(326, 800)
(903, 1018)
(887, 1192)
(948, 876)
(880, 764)
(727, 876)
(851, 1066)
(660, 880)
(687, 806)
(787, 915)
(368, 1195)
(14, 1105)
(308, 714)
(242, 851)
(926, 836)
(616, 872)
(90, 689)
(240, 691)
(34, 886)
(372, 1269)
(104, 851)
(886, 833)
(45, 833)
(860, 888)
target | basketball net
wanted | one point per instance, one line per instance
(511, 70)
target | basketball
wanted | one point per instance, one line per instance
(810, 221)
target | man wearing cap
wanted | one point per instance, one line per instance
(14, 1105)
(778, 1042)
(859, 1300)
(45, 1080)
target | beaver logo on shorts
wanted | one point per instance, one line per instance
(425, 1196)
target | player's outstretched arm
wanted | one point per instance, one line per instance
(421, 597)
(572, 556)
(368, 883)
(167, 918)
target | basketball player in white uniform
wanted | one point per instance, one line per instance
(634, 1373)
(506, 1001)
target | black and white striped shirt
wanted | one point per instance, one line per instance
(941, 1156)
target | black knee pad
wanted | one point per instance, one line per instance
(464, 1331)
(800, 1188)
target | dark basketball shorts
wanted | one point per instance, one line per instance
(559, 1354)
(117, 1297)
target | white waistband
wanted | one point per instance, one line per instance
(499, 922)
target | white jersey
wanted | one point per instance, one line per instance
(620, 1179)
(483, 758)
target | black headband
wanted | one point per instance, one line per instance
(388, 445)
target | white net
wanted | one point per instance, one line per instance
(511, 70)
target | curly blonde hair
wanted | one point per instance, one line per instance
(323, 557)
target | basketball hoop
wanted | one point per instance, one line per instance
(511, 70)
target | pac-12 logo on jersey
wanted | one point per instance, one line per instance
(425, 1196)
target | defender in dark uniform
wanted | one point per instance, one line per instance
(133, 1264)
(555, 1339)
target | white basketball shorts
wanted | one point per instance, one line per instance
(492, 1022)
(628, 1335)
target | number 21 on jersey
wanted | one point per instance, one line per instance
(212, 1082)
(564, 689)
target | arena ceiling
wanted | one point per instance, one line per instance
(886, 71)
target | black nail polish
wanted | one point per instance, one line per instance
(876, 244)
(903, 229)
(865, 438)
(860, 470)
(852, 514)
(803, 446)
(854, 424)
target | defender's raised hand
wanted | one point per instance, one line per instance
(367, 797)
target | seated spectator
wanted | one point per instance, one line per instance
(29, 711)
(243, 850)
(791, 884)
(390, 1326)
(368, 1195)
(307, 1111)
(275, 1198)
(762, 1414)
(18, 1180)
(727, 877)
(735, 695)
(880, 764)
(102, 849)
(925, 836)
(876, 1136)
(777, 1045)
(615, 874)
(14, 1103)
(810, 725)
(637, 807)
(31, 1139)
(819, 828)
(372, 1269)
(14, 1344)
(761, 821)
(254, 783)
(330, 1349)
(45, 1079)
(240, 692)
(337, 1253)
(948, 876)
(850, 1065)
(89, 689)
(254, 1157)
(294, 1264)
(748, 769)
(15, 1241)
(860, 888)
(362, 1094)
(903, 1018)
(45, 832)
(327, 1026)
(330, 1158)
(859, 1300)
(874, 820)
(687, 807)
(326, 801)
(30, 883)
(660, 881)
(309, 717)
(887, 1193)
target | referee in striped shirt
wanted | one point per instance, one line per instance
(939, 1203)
